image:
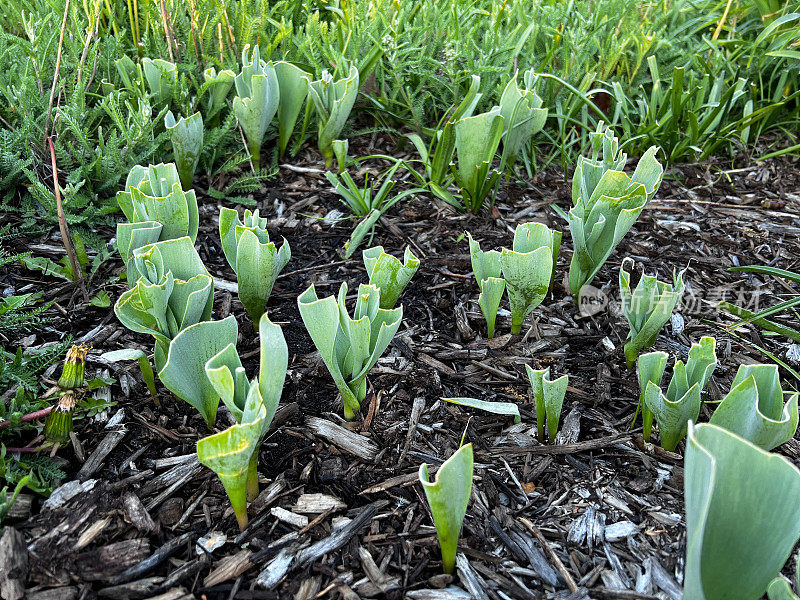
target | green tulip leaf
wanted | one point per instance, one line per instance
(754, 407)
(548, 396)
(741, 515)
(186, 136)
(333, 101)
(498, 408)
(293, 84)
(448, 497)
(256, 101)
(184, 371)
(389, 274)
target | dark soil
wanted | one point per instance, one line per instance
(599, 514)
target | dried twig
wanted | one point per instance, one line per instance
(77, 273)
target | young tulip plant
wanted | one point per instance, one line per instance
(448, 497)
(527, 273)
(233, 453)
(647, 308)
(387, 273)
(217, 86)
(173, 291)
(477, 139)
(741, 515)
(349, 346)
(606, 204)
(548, 396)
(333, 101)
(161, 76)
(157, 209)
(523, 116)
(681, 404)
(186, 136)
(754, 407)
(255, 259)
(256, 101)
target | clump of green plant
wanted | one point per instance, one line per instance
(349, 346)
(681, 403)
(333, 101)
(255, 259)
(548, 395)
(387, 273)
(173, 291)
(526, 269)
(448, 497)
(186, 136)
(734, 549)
(606, 203)
(477, 140)
(253, 404)
(256, 101)
(754, 408)
(361, 200)
(523, 116)
(157, 209)
(647, 308)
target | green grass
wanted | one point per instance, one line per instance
(654, 70)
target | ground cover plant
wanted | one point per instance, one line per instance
(190, 410)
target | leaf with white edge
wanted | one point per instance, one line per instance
(499, 408)
(741, 515)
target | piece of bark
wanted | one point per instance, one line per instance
(155, 559)
(448, 593)
(471, 580)
(380, 579)
(275, 570)
(116, 432)
(228, 568)
(60, 593)
(134, 590)
(174, 594)
(102, 564)
(289, 517)
(314, 504)
(13, 564)
(337, 538)
(21, 509)
(344, 439)
(137, 513)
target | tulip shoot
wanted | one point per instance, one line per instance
(448, 497)
(349, 346)
(387, 273)
(255, 259)
(682, 401)
(606, 203)
(647, 308)
(256, 101)
(754, 407)
(549, 398)
(293, 84)
(186, 136)
(333, 101)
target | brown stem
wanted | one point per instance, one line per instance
(62, 225)
(58, 67)
(30, 416)
(166, 31)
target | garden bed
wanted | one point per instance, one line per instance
(598, 514)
